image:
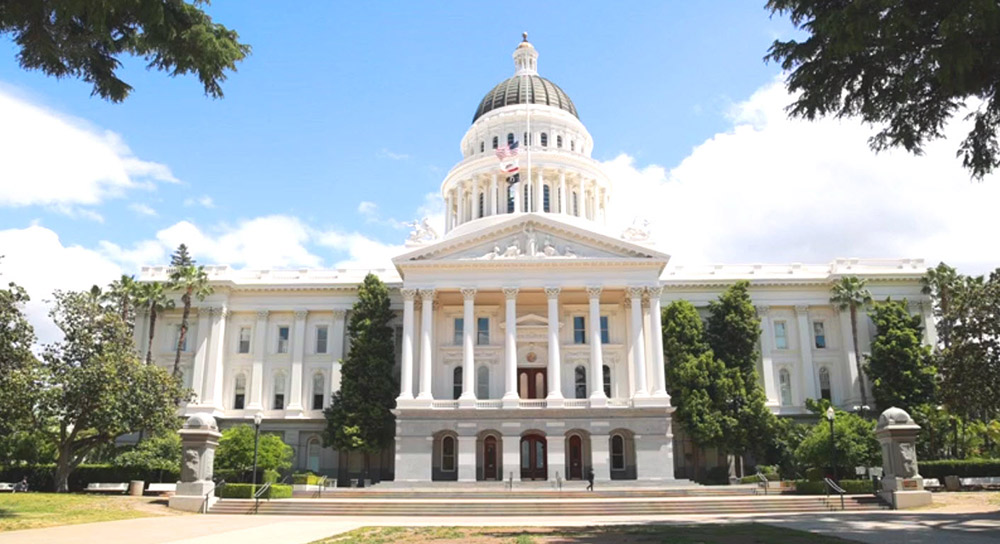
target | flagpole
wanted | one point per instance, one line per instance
(527, 113)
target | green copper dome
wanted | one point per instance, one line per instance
(513, 91)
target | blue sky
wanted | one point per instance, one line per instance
(346, 117)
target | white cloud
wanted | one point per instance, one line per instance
(146, 252)
(63, 163)
(362, 251)
(773, 189)
(142, 209)
(204, 201)
(386, 154)
(37, 260)
(274, 241)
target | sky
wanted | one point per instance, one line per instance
(343, 122)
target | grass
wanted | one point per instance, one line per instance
(35, 510)
(738, 533)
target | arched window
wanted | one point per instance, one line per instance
(496, 142)
(572, 145)
(545, 198)
(559, 142)
(483, 383)
(240, 392)
(617, 452)
(279, 392)
(785, 382)
(482, 146)
(448, 454)
(510, 138)
(824, 384)
(607, 380)
(527, 139)
(456, 383)
(576, 204)
(317, 392)
(545, 140)
(482, 204)
(312, 452)
(527, 197)
(580, 380)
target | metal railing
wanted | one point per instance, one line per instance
(832, 486)
(266, 488)
(204, 504)
(321, 484)
(762, 481)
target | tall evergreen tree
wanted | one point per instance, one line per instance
(851, 293)
(360, 417)
(900, 366)
(192, 282)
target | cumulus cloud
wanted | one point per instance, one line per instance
(63, 163)
(204, 201)
(277, 241)
(772, 189)
(142, 209)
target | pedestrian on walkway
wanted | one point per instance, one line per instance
(590, 479)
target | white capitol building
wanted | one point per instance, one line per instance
(528, 340)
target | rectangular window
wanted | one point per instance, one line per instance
(459, 330)
(177, 338)
(321, 336)
(780, 335)
(483, 331)
(279, 401)
(244, 344)
(605, 337)
(579, 330)
(282, 339)
(819, 334)
(317, 401)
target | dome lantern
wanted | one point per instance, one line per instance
(525, 58)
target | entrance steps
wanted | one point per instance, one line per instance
(526, 492)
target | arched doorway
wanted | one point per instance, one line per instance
(490, 455)
(534, 462)
(575, 469)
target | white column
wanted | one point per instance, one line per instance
(298, 354)
(214, 376)
(853, 391)
(510, 397)
(201, 354)
(563, 204)
(767, 361)
(338, 348)
(805, 350)
(406, 366)
(597, 396)
(426, 320)
(468, 396)
(257, 376)
(518, 190)
(475, 199)
(635, 294)
(493, 195)
(656, 337)
(539, 197)
(449, 204)
(555, 396)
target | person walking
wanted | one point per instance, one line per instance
(590, 479)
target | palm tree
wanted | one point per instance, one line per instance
(940, 283)
(850, 293)
(152, 296)
(192, 281)
(123, 292)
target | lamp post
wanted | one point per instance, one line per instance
(833, 447)
(256, 438)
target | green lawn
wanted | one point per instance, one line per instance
(34, 510)
(741, 533)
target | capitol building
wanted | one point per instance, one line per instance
(528, 338)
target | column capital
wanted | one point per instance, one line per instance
(634, 292)
(435, 305)
(763, 310)
(301, 314)
(552, 292)
(408, 294)
(427, 294)
(654, 290)
(594, 291)
(220, 311)
(262, 314)
(510, 292)
(468, 293)
(628, 303)
(339, 314)
(801, 308)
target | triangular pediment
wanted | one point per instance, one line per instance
(528, 238)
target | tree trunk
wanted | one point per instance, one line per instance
(180, 337)
(152, 329)
(63, 469)
(857, 354)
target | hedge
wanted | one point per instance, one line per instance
(963, 468)
(852, 487)
(246, 491)
(306, 478)
(41, 477)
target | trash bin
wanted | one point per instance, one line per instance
(135, 488)
(952, 483)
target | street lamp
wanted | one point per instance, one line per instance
(256, 438)
(833, 448)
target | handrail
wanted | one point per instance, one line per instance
(204, 504)
(320, 485)
(832, 486)
(762, 481)
(259, 493)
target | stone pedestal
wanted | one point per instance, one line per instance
(901, 486)
(199, 438)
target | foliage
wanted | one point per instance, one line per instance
(851, 293)
(26, 447)
(192, 282)
(360, 417)
(87, 40)
(246, 491)
(963, 468)
(121, 295)
(906, 67)
(160, 452)
(852, 487)
(780, 442)
(305, 478)
(235, 451)
(152, 296)
(41, 477)
(940, 283)
(854, 438)
(16, 338)
(900, 366)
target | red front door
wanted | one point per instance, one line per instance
(534, 465)
(575, 457)
(490, 458)
(531, 383)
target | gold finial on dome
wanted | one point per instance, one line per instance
(524, 36)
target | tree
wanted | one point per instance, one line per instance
(850, 293)
(235, 451)
(854, 438)
(360, 415)
(16, 338)
(122, 294)
(940, 283)
(91, 388)
(156, 453)
(192, 282)
(900, 366)
(86, 40)
(907, 67)
(153, 297)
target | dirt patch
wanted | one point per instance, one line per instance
(964, 502)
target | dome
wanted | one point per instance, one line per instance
(512, 91)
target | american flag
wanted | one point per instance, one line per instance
(507, 151)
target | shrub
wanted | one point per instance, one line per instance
(717, 476)
(963, 468)
(305, 478)
(246, 491)
(40, 477)
(752, 479)
(852, 487)
(271, 476)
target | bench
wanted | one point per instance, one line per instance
(990, 482)
(106, 488)
(932, 484)
(6, 487)
(160, 489)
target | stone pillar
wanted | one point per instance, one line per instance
(467, 458)
(426, 320)
(637, 341)
(805, 350)
(475, 199)
(201, 354)
(555, 397)
(518, 190)
(656, 336)
(597, 396)
(600, 455)
(539, 195)
(413, 458)
(510, 396)
(337, 343)
(902, 484)
(257, 375)
(653, 459)
(448, 214)
(199, 438)
(930, 328)
(555, 452)
(216, 355)
(767, 362)
(298, 354)
(493, 195)
(853, 386)
(511, 457)
(468, 397)
(406, 366)
(563, 208)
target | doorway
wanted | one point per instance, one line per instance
(490, 458)
(531, 383)
(575, 457)
(534, 462)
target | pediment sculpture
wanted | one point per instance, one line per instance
(421, 234)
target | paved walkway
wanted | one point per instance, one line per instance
(874, 527)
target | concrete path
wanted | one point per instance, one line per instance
(874, 527)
